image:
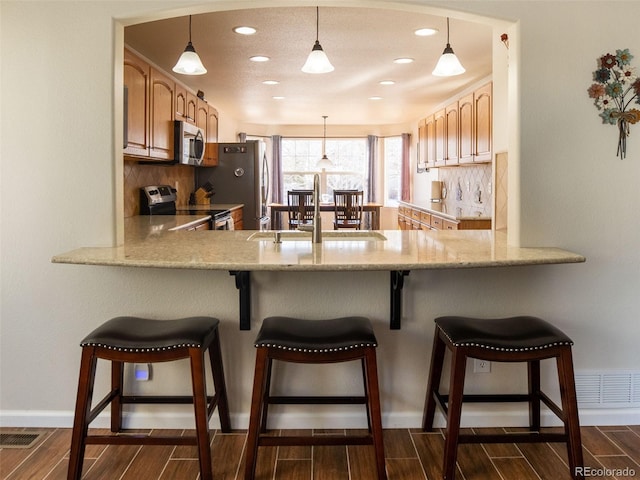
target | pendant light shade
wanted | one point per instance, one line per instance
(448, 65)
(189, 62)
(317, 61)
(324, 162)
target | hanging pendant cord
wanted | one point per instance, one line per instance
(447, 30)
(189, 28)
(317, 22)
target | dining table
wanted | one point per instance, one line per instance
(372, 208)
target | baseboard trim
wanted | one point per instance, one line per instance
(179, 420)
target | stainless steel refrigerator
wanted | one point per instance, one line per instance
(242, 176)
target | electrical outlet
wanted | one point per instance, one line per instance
(489, 188)
(142, 371)
(481, 366)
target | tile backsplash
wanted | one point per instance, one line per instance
(181, 177)
(468, 186)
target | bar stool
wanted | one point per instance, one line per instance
(318, 341)
(514, 339)
(139, 340)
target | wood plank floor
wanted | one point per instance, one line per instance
(410, 455)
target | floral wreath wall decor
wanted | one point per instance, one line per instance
(617, 85)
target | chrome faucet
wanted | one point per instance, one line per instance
(316, 227)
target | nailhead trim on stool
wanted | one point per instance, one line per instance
(513, 339)
(314, 341)
(140, 340)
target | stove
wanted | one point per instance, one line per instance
(161, 200)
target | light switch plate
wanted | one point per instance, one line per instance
(481, 366)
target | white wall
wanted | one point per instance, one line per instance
(59, 194)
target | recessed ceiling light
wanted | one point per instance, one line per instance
(245, 30)
(278, 98)
(387, 82)
(425, 32)
(375, 98)
(259, 58)
(271, 82)
(403, 60)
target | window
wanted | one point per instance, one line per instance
(392, 170)
(349, 157)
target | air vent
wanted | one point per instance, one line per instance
(608, 389)
(19, 439)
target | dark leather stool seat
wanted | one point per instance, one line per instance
(139, 340)
(514, 339)
(314, 341)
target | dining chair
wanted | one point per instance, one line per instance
(300, 208)
(348, 207)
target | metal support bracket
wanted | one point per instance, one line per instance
(397, 282)
(243, 284)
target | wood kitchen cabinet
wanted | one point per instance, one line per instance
(452, 134)
(430, 141)
(181, 103)
(202, 114)
(467, 130)
(211, 138)
(483, 121)
(161, 116)
(440, 138)
(150, 110)
(422, 147)
(192, 108)
(237, 216)
(136, 80)
(417, 218)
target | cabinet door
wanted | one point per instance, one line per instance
(212, 125)
(422, 146)
(136, 79)
(440, 128)
(453, 130)
(465, 113)
(483, 119)
(162, 106)
(202, 115)
(192, 108)
(430, 141)
(181, 103)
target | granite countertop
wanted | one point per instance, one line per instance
(207, 207)
(453, 211)
(149, 242)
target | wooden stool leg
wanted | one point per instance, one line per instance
(198, 380)
(570, 411)
(217, 371)
(259, 385)
(435, 374)
(373, 402)
(265, 397)
(533, 367)
(83, 407)
(117, 384)
(366, 392)
(456, 392)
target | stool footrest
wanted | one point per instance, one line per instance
(138, 440)
(316, 400)
(533, 437)
(160, 399)
(324, 440)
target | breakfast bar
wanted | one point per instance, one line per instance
(154, 241)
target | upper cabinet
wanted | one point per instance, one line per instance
(161, 119)
(460, 133)
(136, 81)
(154, 101)
(483, 121)
(150, 105)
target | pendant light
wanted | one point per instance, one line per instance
(189, 62)
(448, 65)
(324, 162)
(317, 61)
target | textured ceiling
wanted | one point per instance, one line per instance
(361, 43)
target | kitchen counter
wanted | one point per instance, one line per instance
(453, 211)
(150, 243)
(207, 207)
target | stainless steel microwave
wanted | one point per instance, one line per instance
(189, 143)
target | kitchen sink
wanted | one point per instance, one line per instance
(327, 236)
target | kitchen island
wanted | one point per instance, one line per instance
(154, 242)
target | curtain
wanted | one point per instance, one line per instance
(276, 170)
(405, 176)
(372, 152)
